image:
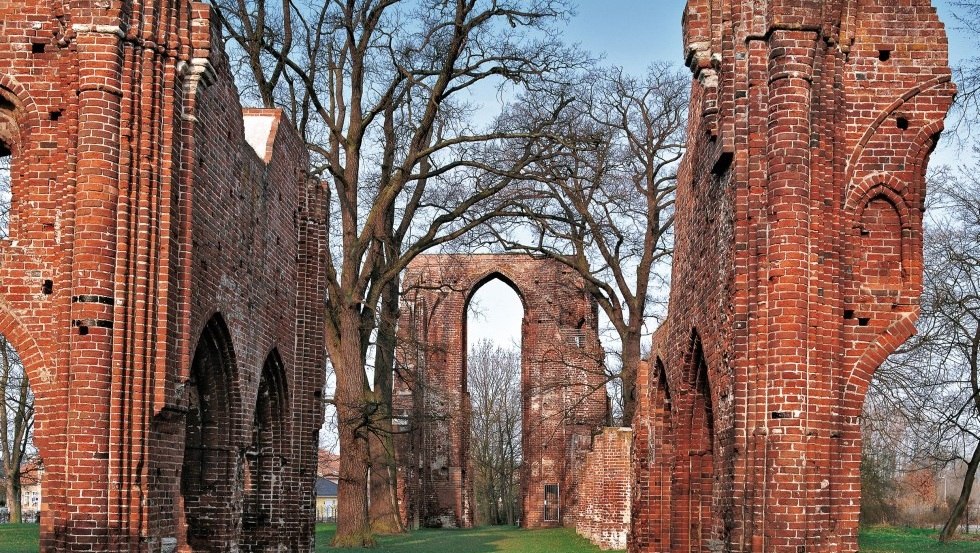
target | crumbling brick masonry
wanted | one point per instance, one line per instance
(605, 490)
(562, 377)
(159, 281)
(798, 267)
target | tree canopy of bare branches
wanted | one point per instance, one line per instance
(604, 204)
(387, 95)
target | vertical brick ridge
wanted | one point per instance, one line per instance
(100, 69)
(791, 60)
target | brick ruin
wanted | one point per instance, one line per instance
(798, 268)
(563, 384)
(605, 490)
(159, 282)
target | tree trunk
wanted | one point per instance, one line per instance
(13, 489)
(384, 515)
(631, 362)
(963, 502)
(353, 527)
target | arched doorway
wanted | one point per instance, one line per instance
(264, 459)
(493, 382)
(211, 475)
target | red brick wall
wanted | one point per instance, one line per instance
(166, 243)
(605, 489)
(565, 400)
(797, 266)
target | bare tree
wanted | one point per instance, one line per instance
(16, 426)
(384, 93)
(934, 381)
(605, 207)
(966, 109)
(494, 384)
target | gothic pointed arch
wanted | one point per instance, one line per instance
(264, 463)
(210, 479)
(694, 475)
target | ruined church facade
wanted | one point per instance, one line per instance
(159, 282)
(797, 270)
(564, 402)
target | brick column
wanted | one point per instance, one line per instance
(93, 264)
(791, 59)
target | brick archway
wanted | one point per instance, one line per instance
(562, 380)
(263, 464)
(211, 475)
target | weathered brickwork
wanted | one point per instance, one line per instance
(159, 282)
(562, 377)
(797, 270)
(605, 490)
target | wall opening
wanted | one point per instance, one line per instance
(493, 384)
(263, 464)
(21, 468)
(5, 191)
(210, 480)
(552, 503)
(701, 456)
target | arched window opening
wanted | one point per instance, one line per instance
(21, 468)
(264, 457)
(210, 476)
(493, 380)
(6, 194)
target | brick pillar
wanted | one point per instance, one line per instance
(791, 59)
(93, 262)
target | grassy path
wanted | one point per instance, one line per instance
(476, 540)
(22, 538)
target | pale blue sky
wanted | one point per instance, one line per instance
(633, 34)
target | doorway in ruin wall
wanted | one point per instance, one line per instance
(211, 478)
(564, 399)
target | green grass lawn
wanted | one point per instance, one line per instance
(18, 538)
(477, 540)
(912, 540)
(22, 538)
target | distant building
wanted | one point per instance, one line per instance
(326, 500)
(328, 465)
(30, 492)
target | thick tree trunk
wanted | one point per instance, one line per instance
(353, 527)
(13, 489)
(631, 362)
(384, 514)
(963, 502)
(384, 500)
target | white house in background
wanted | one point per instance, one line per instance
(326, 500)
